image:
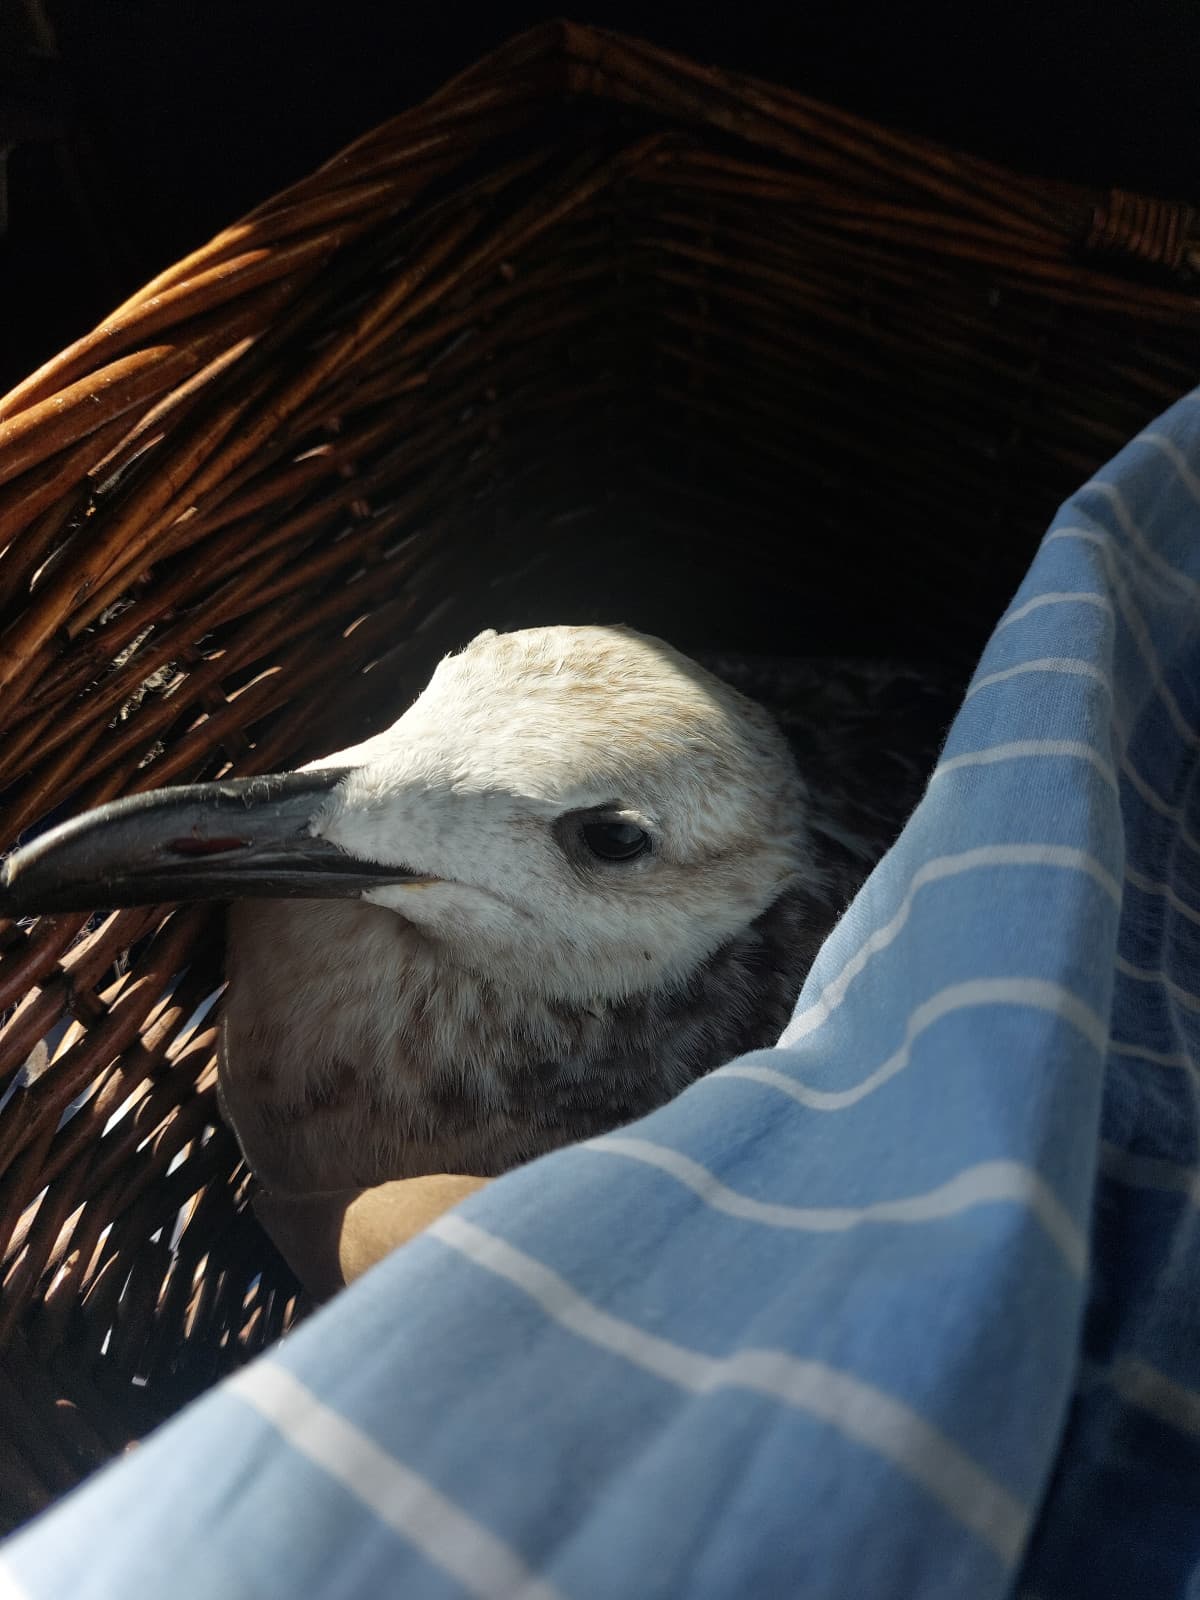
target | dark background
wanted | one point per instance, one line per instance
(162, 120)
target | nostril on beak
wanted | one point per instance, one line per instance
(206, 847)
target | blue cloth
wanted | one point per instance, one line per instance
(909, 1306)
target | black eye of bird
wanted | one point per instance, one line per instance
(615, 841)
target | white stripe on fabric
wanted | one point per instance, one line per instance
(1159, 1058)
(1137, 626)
(472, 1555)
(1058, 597)
(1185, 997)
(10, 1589)
(1149, 1172)
(1033, 749)
(1053, 666)
(854, 1408)
(1141, 1385)
(986, 1183)
(1058, 856)
(976, 994)
(1168, 447)
(1150, 795)
(1129, 527)
(1156, 802)
(1163, 891)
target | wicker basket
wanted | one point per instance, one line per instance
(594, 334)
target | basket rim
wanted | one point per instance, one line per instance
(563, 56)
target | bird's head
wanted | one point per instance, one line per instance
(580, 808)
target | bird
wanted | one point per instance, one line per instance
(580, 871)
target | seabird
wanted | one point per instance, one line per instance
(578, 872)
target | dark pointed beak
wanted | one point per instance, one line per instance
(238, 839)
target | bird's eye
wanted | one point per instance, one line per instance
(615, 841)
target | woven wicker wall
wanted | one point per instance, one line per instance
(595, 333)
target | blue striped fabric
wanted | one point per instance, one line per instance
(909, 1306)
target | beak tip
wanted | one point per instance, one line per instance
(12, 900)
(25, 893)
